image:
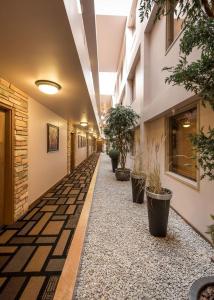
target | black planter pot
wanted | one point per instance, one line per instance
(114, 162)
(138, 187)
(122, 174)
(199, 285)
(158, 212)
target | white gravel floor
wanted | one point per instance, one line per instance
(122, 261)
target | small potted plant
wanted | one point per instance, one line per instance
(138, 179)
(120, 122)
(158, 197)
(114, 154)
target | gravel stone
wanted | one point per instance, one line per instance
(121, 260)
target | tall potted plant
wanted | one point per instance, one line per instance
(120, 121)
(195, 75)
(138, 179)
(114, 154)
(158, 197)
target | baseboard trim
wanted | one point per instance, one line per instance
(67, 282)
(195, 229)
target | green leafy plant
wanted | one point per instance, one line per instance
(120, 121)
(204, 144)
(114, 153)
(196, 76)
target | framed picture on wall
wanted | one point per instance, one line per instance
(52, 138)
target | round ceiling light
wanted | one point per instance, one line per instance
(84, 123)
(48, 87)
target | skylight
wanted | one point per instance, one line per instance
(107, 82)
(112, 7)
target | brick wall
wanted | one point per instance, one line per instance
(18, 101)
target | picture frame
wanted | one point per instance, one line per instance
(52, 138)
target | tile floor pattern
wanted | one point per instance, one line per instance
(33, 250)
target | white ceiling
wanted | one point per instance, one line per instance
(112, 7)
(111, 16)
(105, 103)
(37, 43)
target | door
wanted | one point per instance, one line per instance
(2, 165)
(72, 152)
(6, 166)
(100, 146)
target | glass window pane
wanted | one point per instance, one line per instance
(181, 154)
(177, 26)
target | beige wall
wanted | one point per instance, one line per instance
(195, 205)
(45, 169)
(90, 147)
(155, 100)
(81, 153)
(159, 98)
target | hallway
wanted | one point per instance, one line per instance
(87, 83)
(121, 260)
(34, 249)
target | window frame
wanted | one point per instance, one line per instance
(170, 37)
(132, 76)
(195, 184)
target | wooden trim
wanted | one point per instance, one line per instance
(66, 285)
(9, 211)
(72, 151)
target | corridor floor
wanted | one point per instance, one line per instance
(122, 261)
(33, 250)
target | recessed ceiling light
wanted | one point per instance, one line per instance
(48, 87)
(84, 123)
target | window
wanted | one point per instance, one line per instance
(135, 144)
(133, 83)
(173, 24)
(133, 87)
(181, 154)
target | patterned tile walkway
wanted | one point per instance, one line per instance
(33, 250)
